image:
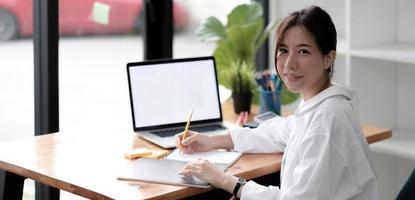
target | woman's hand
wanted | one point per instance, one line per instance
(194, 142)
(209, 172)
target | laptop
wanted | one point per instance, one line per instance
(163, 92)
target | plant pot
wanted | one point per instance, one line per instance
(242, 102)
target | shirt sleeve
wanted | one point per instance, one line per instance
(269, 137)
(310, 178)
(254, 191)
(322, 171)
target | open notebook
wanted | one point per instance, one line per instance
(222, 157)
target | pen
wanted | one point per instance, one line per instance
(245, 118)
(278, 85)
(184, 136)
(272, 86)
(239, 120)
(260, 81)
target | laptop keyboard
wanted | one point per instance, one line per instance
(201, 129)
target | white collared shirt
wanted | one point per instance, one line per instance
(325, 152)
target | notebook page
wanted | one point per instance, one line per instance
(217, 156)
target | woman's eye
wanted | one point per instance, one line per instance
(282, 50)
(303, 52)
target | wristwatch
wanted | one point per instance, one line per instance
(239, 184)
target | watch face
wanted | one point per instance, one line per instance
(241, 180)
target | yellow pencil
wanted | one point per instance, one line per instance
(184, 136)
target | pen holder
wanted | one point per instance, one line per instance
(269, 101)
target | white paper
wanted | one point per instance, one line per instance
(219, 156)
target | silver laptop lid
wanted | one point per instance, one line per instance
(162, 92)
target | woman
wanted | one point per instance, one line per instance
(325, 152)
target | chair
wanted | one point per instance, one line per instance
(408, 190)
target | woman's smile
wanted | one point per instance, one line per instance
(292, 78)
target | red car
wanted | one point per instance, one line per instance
(74, 17)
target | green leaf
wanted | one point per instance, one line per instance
(212, 30)
(245, 13)
(225, 54)
(242, 38)
(239, 77)
(265, 34)
(238, 47)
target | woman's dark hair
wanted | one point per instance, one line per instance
(318, 23)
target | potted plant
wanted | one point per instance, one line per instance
(239, 78)
(237, 43)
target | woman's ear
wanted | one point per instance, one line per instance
(329, 59)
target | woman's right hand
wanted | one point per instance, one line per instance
(194, 142)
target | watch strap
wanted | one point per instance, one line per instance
(241, 181)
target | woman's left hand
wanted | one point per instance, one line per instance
(208, 172)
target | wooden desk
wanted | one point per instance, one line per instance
(87, 165)
(372, 133)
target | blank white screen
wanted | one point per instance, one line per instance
(165, 93)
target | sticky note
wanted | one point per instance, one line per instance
(145, 153)
(100, 13)
(157, 154)
(137, 153)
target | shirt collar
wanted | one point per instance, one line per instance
(333, 90)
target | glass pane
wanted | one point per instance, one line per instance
(16, 74)
(97, 40)
(186, 43)
(16, 71)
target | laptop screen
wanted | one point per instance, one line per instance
(163, 92)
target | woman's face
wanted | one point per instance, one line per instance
(300, 63)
